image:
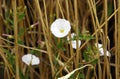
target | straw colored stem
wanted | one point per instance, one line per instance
(78, 55)
(118, 43)
(46, 40)
(16, 37)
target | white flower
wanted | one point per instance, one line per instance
(101, 50)
(73, 41)
(30, 59)
(60, 28)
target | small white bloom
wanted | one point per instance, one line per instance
(72, 36)
(30, 59)
(101, 50)
(74, 42)
(60, 28)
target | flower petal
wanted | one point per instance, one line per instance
(60, 28)
(101, 50)
(35, 61)
(74, 42)
(30, 59)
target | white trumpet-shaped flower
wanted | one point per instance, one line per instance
(30, 59)
(73, 41)
(101, 50)
(60, 28)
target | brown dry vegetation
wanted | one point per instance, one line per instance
(98, 18)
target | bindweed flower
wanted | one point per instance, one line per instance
(73, 41)
(30, 59)
(60, 28)
(101, 50)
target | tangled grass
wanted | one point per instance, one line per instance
(25, 28)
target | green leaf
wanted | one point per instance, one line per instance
(21, 16)
(82, 76)
(35, 52)
(23, 76)
(60, 45)
(95, 61)
(110, 8)
(10, 57)
(86, 37)
(21, 32)
(20, 41)
(10, 21)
